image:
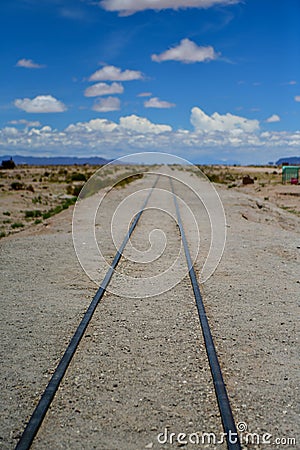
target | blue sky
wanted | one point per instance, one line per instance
(216, 81)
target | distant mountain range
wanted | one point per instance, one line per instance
(292, 161)
(96, 160)
(53, 161)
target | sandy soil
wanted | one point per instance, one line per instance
(30, 195)
(267, 186)
(141, 367)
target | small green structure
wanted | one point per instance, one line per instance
(290, 174)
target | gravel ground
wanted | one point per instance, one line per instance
(141, 366)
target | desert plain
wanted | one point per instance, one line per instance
(141, 370)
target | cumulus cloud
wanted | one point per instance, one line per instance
(27, 123)
(155, 102)
(128, 7)
(112, 73)
(142, 125)
(29, 64)
(10, 131)
(134, 133)
(219, 122)
(98, 125)
(297, 98)
(273, 118)
(134, 125)
(103, 89)
(187, 52)
(107, 104)
(40, 104)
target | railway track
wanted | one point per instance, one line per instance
(226, 415)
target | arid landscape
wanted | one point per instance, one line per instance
(30, 195)
(149, 224)
(141, 371)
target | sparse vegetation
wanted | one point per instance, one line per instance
(75, 190)
(59, 208)
(122, 183)
(48, 197)
(291, 210)
(33, 213)
(17, 225)
(216, 175)
(17, 186)
(78, 176)
(37, 199)
(30, 188)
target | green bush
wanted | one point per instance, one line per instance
(78, 176)
(37, 199)
(17, 186)
(59, 208)
(74, 190)
(17, 225)
(34, 213)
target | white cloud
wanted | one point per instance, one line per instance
(155, 102)
(10, 131)
(99, 125)
(128, 126)
(219, 122)
(273, 118)
(127, 7)
(142, 125)
(40, 104)
(112, 73)
(25, 122)
(187, 52)
(29, 64)
(225, 140)
(107, 104)
(297, 98)
(103, 89)
(145, 94)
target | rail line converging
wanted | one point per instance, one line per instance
(219, 385)
(40, 411)
(45, 401)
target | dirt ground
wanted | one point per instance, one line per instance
(30, 195)
(267, 186)
(141, 370)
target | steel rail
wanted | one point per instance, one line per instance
(230, 430)
(41, 409)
